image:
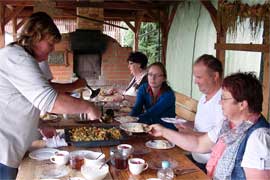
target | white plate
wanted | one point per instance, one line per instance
(42, 154)
(174, 120)
(126, 119)
(159, 144)
(134, 127)
(54, 172)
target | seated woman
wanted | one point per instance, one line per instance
(137, 63)
(155, 99)
(240, 144)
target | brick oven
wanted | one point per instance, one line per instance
(92, 55)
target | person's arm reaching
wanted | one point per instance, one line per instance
(186, 141)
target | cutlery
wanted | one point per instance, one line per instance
(179, 172)
(99, 156)
(105, 162)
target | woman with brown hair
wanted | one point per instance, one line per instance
(239, 145)
(155, 99)
(25, 91)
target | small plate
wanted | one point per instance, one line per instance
(42, 154)
(126, 119)
(159, 144)
(135, 127)
(52, 172)
(50, 118)
(174, 120)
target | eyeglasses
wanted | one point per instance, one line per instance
(154, 75)
(224, 99)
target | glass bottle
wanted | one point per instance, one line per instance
(166, 172)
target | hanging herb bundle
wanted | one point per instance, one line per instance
(232, 14)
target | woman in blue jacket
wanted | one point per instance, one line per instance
(155, 99)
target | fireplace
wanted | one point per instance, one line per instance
(100, 61)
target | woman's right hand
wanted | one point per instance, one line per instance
(156, 130)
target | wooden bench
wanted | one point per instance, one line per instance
(185, 107)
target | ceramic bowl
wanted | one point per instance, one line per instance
(91, 158)
(94, 172)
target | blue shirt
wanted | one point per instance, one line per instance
(150, 113)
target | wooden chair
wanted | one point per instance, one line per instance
(185, 107)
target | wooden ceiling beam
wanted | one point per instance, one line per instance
(14, 14)
(121, 5)
(212, 11)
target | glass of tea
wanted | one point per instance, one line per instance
(76, 161)
(120, 159)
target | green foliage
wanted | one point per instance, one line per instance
(149, 41)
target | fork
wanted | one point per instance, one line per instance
(179, 171)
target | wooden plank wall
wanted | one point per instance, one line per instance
(185, 106)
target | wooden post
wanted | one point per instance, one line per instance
(221, 39)
(266, 59)
(2, 25)
(165, 25)
(138, 21)
(14, 28)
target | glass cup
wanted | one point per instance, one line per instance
(76, 161)
(120, 159)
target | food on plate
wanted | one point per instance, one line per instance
(162, 144)
(126, 119)
(94, 134)
(49, 117)
(125, 109)
(135, 127)
(105, 92)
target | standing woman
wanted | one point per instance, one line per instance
(155, 99)
(137, 63)
(25, 91)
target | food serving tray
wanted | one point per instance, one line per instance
(96, 143)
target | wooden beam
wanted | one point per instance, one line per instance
(212, 11)
(130, 25)
(121, 5)
(266, 69)
(243, 47)
(137, 31)
(19, 25)
(2, 25)
(14, 14)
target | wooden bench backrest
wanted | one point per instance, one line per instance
(185, 106)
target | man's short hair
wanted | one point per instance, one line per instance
(212, 63)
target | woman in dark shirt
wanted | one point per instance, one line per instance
(155, 99)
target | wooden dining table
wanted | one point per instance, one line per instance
(31, 169)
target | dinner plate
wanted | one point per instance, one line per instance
(135, 127)
(174, 120)
(126, 119)
(50, 118)
(159, 144)
(54, 172)
(42, 154)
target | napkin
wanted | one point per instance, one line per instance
(55, 142)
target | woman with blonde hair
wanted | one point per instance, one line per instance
(25, 91)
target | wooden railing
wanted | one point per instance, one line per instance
(185, 106)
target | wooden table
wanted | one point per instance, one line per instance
(30, 169)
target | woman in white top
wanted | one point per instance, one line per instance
(137, 63)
